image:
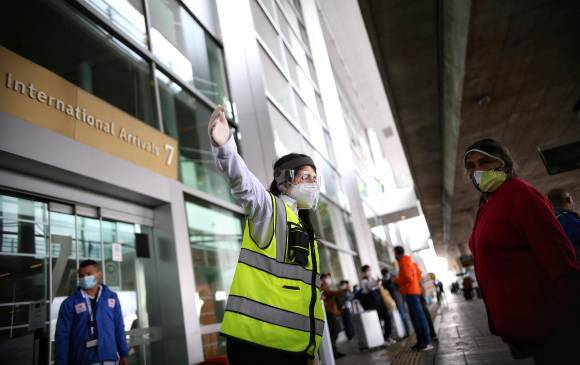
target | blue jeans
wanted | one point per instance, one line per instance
(418, 318)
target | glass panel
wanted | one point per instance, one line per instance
(312, 70)
(329, 147)
(126, 14)
(89, 238)
(23, 278)
(269, 5)
(182, 44)
(324, 213)
(330, 262)
(286, 138)
(290, 14)
(215, 236)
(64, 255)
(276, 84)
(266, 30)
(125, 274)
(84, 54)
(185, 119)
(350, 232)
(320, 106)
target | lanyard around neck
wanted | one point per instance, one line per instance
(90, 307)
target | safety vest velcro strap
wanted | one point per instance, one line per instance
(272, 315)
(279, 269)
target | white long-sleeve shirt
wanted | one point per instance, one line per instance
(245, 186)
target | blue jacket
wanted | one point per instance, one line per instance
(73, 330)
(570, 222)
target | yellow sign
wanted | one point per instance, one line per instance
(41, 97)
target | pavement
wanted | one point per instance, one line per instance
(464, 339)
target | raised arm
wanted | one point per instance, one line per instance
(245, 185)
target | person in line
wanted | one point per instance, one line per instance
(90, 328)
(333, 312)
(424, 304)
(345, 302)
(467, 287)
(409, 284)
(273, 313)
(564, 206)
(370, 298)
(519, 250)
(387, 283)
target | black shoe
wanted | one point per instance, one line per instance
(338, 355)
(416, 346)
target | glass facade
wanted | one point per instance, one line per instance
(215, 236)
(181, 43)
(188, 64)
(81, 52)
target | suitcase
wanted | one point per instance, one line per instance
(368, 329)
(398, 326)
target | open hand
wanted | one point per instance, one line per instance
(218, 128)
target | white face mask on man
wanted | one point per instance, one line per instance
(305, 194)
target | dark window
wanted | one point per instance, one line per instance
(56, 36)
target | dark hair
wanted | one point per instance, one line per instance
(324, 275)
(89, 263)
(558, 197)
(277, 171)
(342, 282)
(399, 250)
(384, 271)
(364, 268)
(496, 149)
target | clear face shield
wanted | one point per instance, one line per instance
(304, 186)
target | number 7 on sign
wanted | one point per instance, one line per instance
(170, 150)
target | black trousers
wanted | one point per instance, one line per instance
(244, 353)
(334, 329)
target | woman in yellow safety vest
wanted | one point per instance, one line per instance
(273, 314)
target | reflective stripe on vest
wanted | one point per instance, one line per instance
(272, 315)
(279, 269)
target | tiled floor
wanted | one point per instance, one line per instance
(464, 339)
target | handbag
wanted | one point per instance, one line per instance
(388, 300)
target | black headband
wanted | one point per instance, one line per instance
(296, 163)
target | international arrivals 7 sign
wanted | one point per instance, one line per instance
(43, 98)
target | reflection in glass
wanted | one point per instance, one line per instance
(330, 262)
(185, 119)
(23, 271)
(126, 14)
(82, 53)
(215, 236)
(183, 45)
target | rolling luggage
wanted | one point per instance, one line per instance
(368, 329)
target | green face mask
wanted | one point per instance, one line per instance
(488, 181)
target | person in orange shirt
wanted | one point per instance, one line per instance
(410, 286)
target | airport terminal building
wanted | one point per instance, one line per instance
(104, 155)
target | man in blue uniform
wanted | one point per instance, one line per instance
(90, 327)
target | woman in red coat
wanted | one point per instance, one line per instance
(524, 263)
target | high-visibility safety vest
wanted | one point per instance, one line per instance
(272, 302)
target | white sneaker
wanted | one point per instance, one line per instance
(390, 342)
(426, 348)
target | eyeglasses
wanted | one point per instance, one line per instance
(308, 177)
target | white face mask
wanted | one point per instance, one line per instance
(306, 195)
